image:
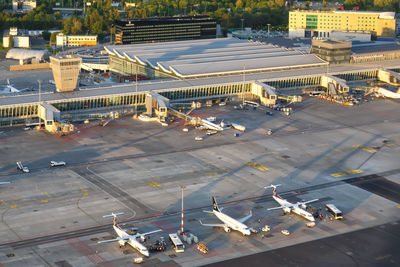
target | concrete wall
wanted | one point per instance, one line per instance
(30, 67)
(293, 33)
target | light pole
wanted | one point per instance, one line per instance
(136, 84)
(182, 233)
(112, 25)
(244, 78)
(40, 99)
(268, 28)
(242, 19)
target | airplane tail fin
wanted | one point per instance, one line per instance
(274, 193)
(215, 205)
(114, 215)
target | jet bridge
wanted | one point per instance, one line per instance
(265, 92)
(389, 76)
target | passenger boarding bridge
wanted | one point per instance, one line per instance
(99, 102)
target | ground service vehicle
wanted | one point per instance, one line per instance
(337, 214)
(22, 167)
(177, 243)
(202, 248)
(57, 163)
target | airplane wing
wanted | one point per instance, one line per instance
(281, 207)
(207, 211)
(113, 240)
(213, 224)
(4, 182)
(246, 218)
(309, 201)
(149, 233)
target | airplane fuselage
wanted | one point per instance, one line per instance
(296, 209)
(131, 240)
(232, 223)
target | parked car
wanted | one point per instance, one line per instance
(57, 163)
(285, 232)
(266, 228)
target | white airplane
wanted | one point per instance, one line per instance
(239, 127)
(10, 89)
(208, 125)
(4, 183)
(288, 207)
(228, 222)
(382, 92)
(124, 237)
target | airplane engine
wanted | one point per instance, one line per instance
(121, 243)
(142, 238)
(227, 229)
(287, 210)
(304, 206)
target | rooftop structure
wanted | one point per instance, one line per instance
(309, 23)
(164, 29)
(202, 58)
(76, 40)
(333, 51)
(18, 54)
(65, 72)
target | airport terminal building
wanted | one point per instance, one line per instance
(205, 58)
(164, 29)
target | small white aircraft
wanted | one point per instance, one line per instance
(288, 207)
(4, 183)
(124, 237)
(208, 125)
(228, 222)
(382, 92)
(11, 89)
(238, 127)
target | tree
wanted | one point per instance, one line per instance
(46, 35)
(53, 38)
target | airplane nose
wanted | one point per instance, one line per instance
(146, 254)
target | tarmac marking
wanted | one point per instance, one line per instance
(44, 201)
(153, 184)
(212, 173)
(383, 257)
(389, 144)
(312, 154)
(341, 174)
(14, 198)
(370, 150)
(13, 206)
(398, 206)
(322, 144)
(155, 178)
(257, 166)
(84, 191)
(43, 192)
(69, 183)
(3, 203)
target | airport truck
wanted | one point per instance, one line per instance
(22, 167)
